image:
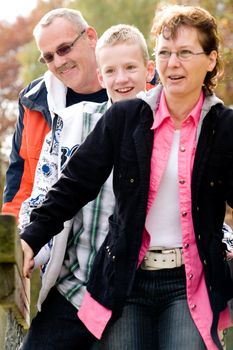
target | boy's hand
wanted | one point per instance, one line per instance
(28, 260)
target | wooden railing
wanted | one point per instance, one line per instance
(228, 338)
(14, 289)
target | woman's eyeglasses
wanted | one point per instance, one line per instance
(183, 55)
(63, 50)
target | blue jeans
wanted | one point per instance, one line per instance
(57, 327)
(156, 316)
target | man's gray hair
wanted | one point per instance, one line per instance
(73, 16)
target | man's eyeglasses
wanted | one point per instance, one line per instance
(63, 50)
(183, 55)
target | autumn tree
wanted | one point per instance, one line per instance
(12, 39)
(108, 12)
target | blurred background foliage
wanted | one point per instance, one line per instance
(19, 54)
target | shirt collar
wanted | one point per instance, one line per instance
(162, 112)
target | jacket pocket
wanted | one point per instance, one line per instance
(108, 268)
(114, 252)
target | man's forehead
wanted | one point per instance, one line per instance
(54, 35)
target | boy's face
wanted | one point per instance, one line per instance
(122, 70)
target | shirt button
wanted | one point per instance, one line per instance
(182, 182)
(182, 149)
(186, 245)
(197, 208)
(193, 306)
(199, 237)
(212, 183)
(190, 276)
(184, 213)
(205, 262)
(132, 181)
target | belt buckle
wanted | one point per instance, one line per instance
(174, 260)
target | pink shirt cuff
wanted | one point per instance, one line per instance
(94, 315)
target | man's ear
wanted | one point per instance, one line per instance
(100, 78)
(150, 71)
(92, 36)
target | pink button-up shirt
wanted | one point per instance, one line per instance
(94, 315)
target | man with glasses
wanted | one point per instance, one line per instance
(67, 46)
(123, 69)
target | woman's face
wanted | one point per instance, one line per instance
(183, 75)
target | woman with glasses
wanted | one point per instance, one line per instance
(160, 279)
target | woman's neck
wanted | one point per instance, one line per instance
(180, 107)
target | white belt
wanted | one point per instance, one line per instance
(158, 258)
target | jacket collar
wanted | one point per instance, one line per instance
(152, 98)
(56, 96)
(209, 102)
(35, 98)
(47, 96)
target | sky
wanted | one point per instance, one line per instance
(10, 9)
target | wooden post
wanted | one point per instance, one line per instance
(14, 289)
(228, 338)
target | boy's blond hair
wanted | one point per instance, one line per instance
(122, 33)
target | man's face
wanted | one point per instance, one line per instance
(77, 68)
(122, 70)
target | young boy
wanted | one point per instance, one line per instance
(123, 69)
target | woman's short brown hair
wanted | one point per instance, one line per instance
(167, 21)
